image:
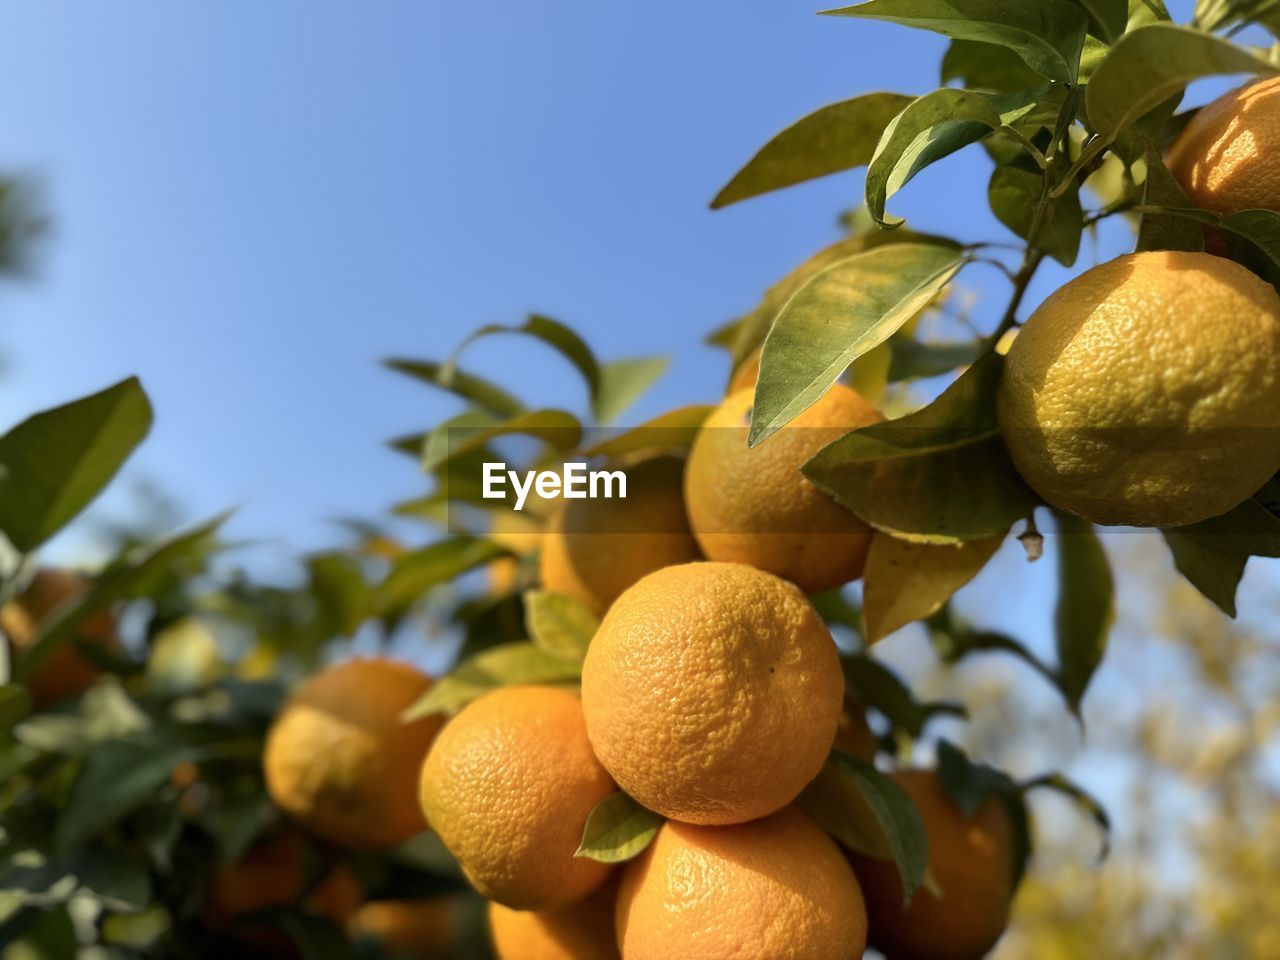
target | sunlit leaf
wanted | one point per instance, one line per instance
(558, 624)
(837, 137)
(55, 463)
(675, 429)
(505, 665)
(623, 382)
(840, 314)
(617, 830)
(478, 391)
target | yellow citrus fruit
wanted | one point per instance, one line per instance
(1147, 390)
(972, 860)
(776, 888)
(596, 548)
(1225, 157)
(711, 692)
(580, 931)
(755, 506)
(410, 928)
(339, 760)
(65, 672)
(508, 787)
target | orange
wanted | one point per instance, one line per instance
(580, 931)
(1146, 391)
(339, 760)
(1225, 157)
(65, 672)
(276, 873)
(508, 787)
(711, 692)
(971, 858)
(776, 888)
(410, 928)
(594, 549)
(746, 373)
(755, 506)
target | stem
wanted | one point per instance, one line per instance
(1021, 281)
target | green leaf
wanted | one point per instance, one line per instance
(1083, 798)
(836, 317)
(1046, 34)
(54, 464)
(1015, 192)
(470, 431)
(1158, 232)
(904, 582)
(1212, 554)
(558, 624)
(15, 703)
(939, 475)
(911, 360)
(934, 126)
(137, 574)
(675, 429)
(838, 137)
(554, 334)
(117, 778)
(500, 666)
(415, 573)
(969, 784)
(337, 584)
(1151, 64)
(879, 687)
(1107, 18)
(871, 815)
(114, 879)
(484, 394)
(617, 830)
(985, 66)
(1085, 607)
(623, 382)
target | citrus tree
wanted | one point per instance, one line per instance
(650, 745)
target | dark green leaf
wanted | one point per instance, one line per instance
(1151, 64)
(617, 830)
(938, 475)
(1159, 232)
(1212, 554)
(117, 778)
(840, 314)
(985, 66)
(1107, 18)
(1092, 806)
(1014, 194)
(935, 126)
(15, 703)
(879, 687)
(1046, 34)
(484, 394)
(837, 137)
(54, 464)
(912, 360)
(558, 624)
(900, 825)
(969, 784)
(1085, 607)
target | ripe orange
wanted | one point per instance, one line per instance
(1147, 390)
(339, 760)
(277, 873)
(1224, 158)
(508, 787)
(595, 549)
(410, 928)
(754, 506)
(65, 672)
(971, 858)
(776, 888)
(580, 931)
(711, 692)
